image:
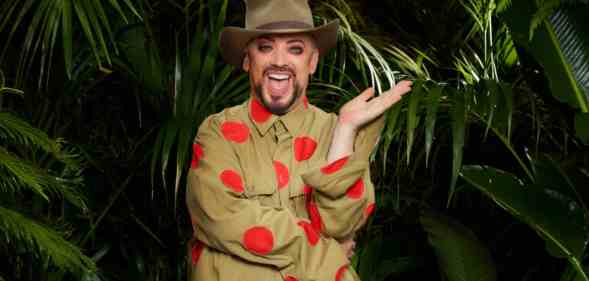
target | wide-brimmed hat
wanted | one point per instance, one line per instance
(263, 17)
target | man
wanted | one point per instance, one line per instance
(278, 187)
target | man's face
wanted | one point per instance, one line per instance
(279, 67)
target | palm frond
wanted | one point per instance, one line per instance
(546, 8)
(44, 243)
(47, 20)
(559, 45)
(18, 174)
(408, 65)
(570, 30)
(4, 89)
(363, 53)
(16, 131)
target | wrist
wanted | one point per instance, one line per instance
(345, 129)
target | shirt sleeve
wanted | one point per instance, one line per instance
(342, 194)
(225, 219)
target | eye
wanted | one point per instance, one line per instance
(297, 50)
(264, 48)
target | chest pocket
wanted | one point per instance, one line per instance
(261, 186)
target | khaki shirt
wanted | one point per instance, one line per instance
(265, 204)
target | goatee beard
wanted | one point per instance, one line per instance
(278, 110)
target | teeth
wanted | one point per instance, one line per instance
(279, 76)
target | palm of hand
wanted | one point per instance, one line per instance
(364, 108)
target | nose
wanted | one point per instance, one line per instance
(279, 58)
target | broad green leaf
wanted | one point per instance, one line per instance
(415, 97)
(582, 127)
(381, 258)
(87, 28)
(542, 208)
(391, 129)
(141, 53)
(461, 255)
(433, 102)
(66, 34)
(369, 259)
(560, 45)
(458, 131)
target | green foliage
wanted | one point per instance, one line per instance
(541, 205)
(559, 45)
(47, 20)
(46, 244)
(4, 89)
(201, 86)
(20, 176)
(582, 126)
(142, 79)
(462, 256)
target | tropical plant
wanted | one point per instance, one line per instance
(37, 174)
(482, 109)
(47, 21)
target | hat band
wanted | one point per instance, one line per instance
(285, 25)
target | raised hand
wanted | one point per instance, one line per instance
(365, 107)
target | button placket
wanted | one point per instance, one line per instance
(282, 161)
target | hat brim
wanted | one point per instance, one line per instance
(233, 40)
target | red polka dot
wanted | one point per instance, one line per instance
(305, 102)
(356, 190)
(197, 154)
(304, 147)
(258, 240)
(290, 278)
(335, 166)
(281, 174)
(232, 180)
(310, 232)
(259, 113)
(340, 272)
(196, 251)
(369, 210)
(235, 131)
(314, 216)
(307, 190)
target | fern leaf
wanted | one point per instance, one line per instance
(44, 242)
(17, 131)
(19, 174)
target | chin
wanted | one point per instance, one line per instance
(281, 106)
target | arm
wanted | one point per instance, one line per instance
(344, 198)
(226, 220)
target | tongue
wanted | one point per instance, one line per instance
(278, 88)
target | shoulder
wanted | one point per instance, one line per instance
(214, 121)
(321, 116)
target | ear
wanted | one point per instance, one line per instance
(314, 61)
(245, 63)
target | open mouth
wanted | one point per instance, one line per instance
(278, 83)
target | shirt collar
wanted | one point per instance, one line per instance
(263, 119)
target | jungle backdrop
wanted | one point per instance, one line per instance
(481, 172)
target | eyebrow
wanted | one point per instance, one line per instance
(268, 38)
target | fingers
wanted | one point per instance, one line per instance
(403, 87)
(400, 88)
(366, 94)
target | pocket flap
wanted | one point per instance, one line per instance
(262, 189)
